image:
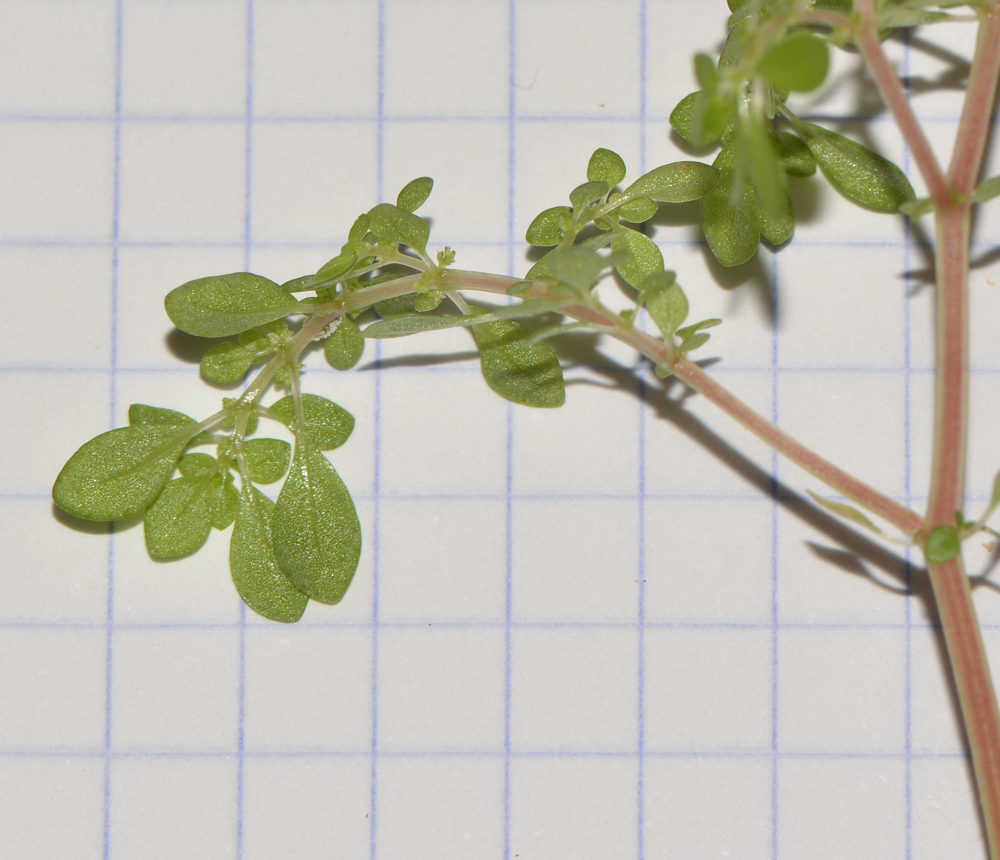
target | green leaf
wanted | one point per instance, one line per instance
(916, 208)
(682, 116)
(317, 536)
(577, 267)
(794, 155)
(427, 300)
(846, 511)
(226, 363)
(679, 182)
(119, 473)
(606, 166)
(328, 425)
(549, 226)
(179, 520)
(638, 210)
(995, 499)
(344, 347)
(140, 414)
(265, 339)
(223, 501)
(194, 465)
(397, 307)
(415, 194)
(693, 342)
(705, 71)
(589, 192)
(689, 330)
(641, 256)
(227, 304)
(359, 229)
(986, 190)
(523, 373)
(732, 229)
(665, 302)
(701, 117)
(267, 459)
(333, 271)
(300, 284)
(779, 227)
(761, 164)
(943, 544)
(855, 171)
(798, 63)
(404, 326)
(256, 573)
(395, 225)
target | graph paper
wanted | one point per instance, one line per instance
(613, 630)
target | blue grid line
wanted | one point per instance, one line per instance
(641, 513)
(907, 287)
(775, 573)
(248, 119)
(509, 417)
(763, 754)
(359, 119)
(377, 468)
(477, 624)
(113, 408)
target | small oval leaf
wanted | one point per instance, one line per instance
(267, 459)
(523, 373)
(343, 348)
(638, 210)
(679, 182)
(256, 573)
(415, 194)
(855, 171)
(589, 192)
(317, 536)
(226, 363)
(328, 425)
(179, 520)
(395, 225)
(642, 256)
(227, 304)
(547, 227)
(794, 155)
(119, 473)
(193, 465)
(606, 166)
(798, 63)
(732, 232)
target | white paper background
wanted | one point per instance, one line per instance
(586, 633)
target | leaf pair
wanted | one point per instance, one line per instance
(308, 543)
(305, 545)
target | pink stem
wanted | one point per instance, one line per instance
(895, 98)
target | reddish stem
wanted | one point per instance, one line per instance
(895, 98)
(858, 491)
(973, 128)
(949, 581)
(901, 517)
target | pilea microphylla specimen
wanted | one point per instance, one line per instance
(385, 283)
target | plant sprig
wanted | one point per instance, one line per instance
(188, 477)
